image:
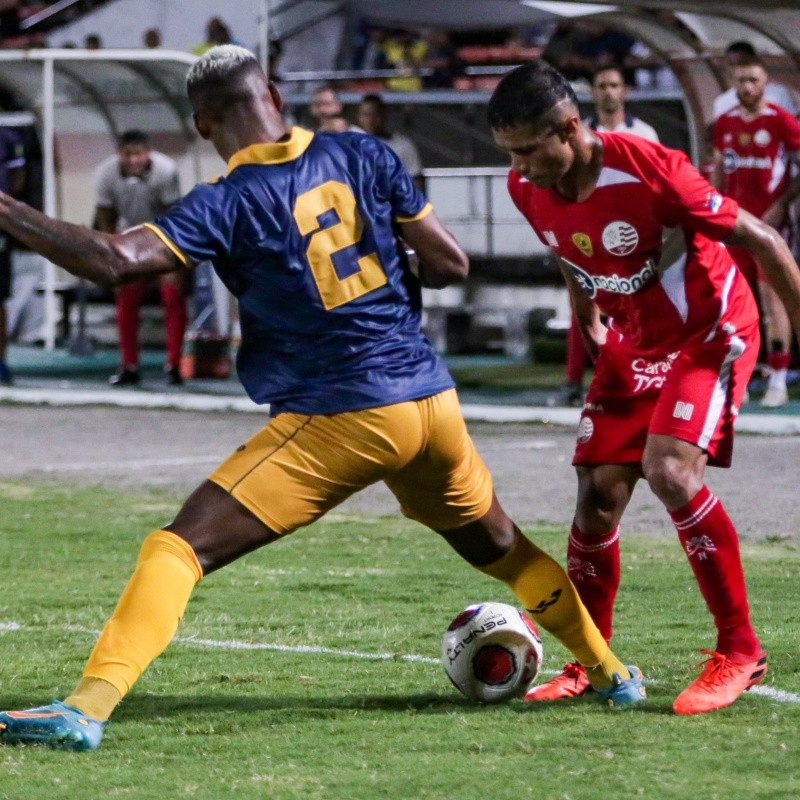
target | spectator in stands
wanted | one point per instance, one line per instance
(93, 42)
(134, 186)
(151, 38)
(217, 32)
(577, 49)
(12, 179)
(327, 111)
(610, 116)
(405, 52)
(373, 118)
(775, 93)
(441, 58)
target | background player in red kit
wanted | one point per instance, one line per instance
(637, 231)
(755, 144)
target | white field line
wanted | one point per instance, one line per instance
(233, 644)
(143, 464)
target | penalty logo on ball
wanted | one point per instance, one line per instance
(491, 652)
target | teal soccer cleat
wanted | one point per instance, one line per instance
(624, 692)
(57, 726)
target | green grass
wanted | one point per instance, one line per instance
(218, 723)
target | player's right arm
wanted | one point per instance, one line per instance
(586, 313)
(441, 259)
(108, 259)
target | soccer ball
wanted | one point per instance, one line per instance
(491, 652)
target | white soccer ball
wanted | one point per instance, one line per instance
(491, 652)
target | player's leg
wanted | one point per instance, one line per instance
(449, 489)
(286, 476)
(128, 299)
(173, 299)
(693, 426)
(593, 562)
(779, 343)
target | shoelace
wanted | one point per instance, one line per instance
(574, 671)
(715, 668)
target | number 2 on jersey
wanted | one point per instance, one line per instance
(324, 242)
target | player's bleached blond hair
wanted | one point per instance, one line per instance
(215, 76)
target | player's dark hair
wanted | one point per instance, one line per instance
(740, 47)
(375, 100)
(134, 137)
(527, 94)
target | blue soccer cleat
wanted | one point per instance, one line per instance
(57, 726)
(624, 692)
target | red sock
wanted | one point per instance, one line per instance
(593, 566)
(128, 298)
(174, 302)
(778, 360)
(712, 546)
(576, 354)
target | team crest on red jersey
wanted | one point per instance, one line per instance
(620, 238)
(762, 137)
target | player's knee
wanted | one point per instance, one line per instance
(668, 478)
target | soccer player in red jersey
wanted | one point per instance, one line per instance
(638, 234)
(755, 145)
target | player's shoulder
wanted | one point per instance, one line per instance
(629, 150)
(162, 163)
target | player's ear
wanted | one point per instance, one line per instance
(201, 126)
(276, 96)
(569, 127)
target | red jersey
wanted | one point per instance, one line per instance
(660, 299)
(756, 155)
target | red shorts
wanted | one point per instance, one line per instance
(693, 395)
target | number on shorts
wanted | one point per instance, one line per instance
(324, 242)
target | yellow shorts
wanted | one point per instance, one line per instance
(299, 467)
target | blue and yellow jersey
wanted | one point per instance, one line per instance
(302, 232)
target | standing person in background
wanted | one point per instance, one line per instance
(303, 230)
(12, 179)
(776, 93)
(608, 93)
(327, 111)
(217, 33)
(373, 118)
(756, 145)
(134, 186)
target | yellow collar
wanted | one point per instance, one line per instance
(273, 152)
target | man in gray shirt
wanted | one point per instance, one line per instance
(134, 186)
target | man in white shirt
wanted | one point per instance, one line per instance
(608, 93)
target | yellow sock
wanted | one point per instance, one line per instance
(547, 593)
(94, 697)
(142, 625)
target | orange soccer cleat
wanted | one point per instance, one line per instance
(722, 680)
(572, 681)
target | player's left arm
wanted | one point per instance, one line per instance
(441, 259)
(104, 258)
(776, 260)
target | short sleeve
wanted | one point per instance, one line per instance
(791, 132)
(200, 226)
(684, 198)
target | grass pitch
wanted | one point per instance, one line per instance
(335, 709)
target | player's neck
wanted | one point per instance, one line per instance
(581, 180)
(753, 109)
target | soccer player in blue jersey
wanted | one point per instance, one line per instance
(303, 230)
